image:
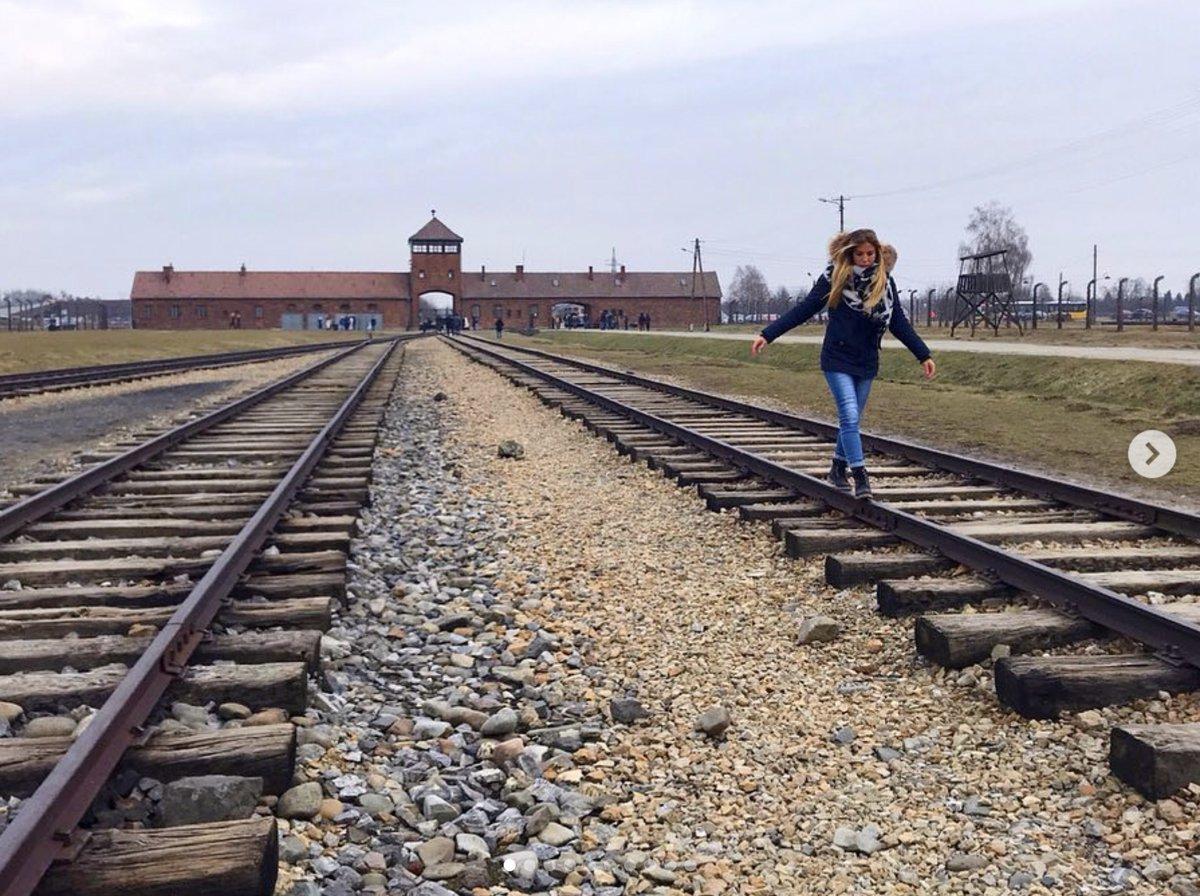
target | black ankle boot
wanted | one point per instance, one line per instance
(837, 475)
(862, 485)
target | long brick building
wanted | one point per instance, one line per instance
(193, 300)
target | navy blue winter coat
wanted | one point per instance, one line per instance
(852, 339)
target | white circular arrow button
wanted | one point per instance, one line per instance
(1152, 454)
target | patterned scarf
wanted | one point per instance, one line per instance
(858, 288)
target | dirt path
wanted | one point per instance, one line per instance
(1189, 356)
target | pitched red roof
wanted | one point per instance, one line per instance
(436, 230)
(603, 285)
(270, 285)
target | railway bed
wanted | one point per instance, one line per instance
(1035, 563)
(198, 566)
(16, 385)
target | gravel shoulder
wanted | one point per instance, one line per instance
(40, 433)
(850, 766)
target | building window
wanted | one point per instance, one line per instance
(450, 248)
(147, 310)
(258, 311)
(201, 311)
(498, 311)
(475, 312)
(173, 311)
(533, 311)
(418, 249)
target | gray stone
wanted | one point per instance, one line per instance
(292, 849)
(815, 629)
(714, 722)
(1020, 880)
(510, 448)
(556, 834)
(304, 888)
(659, 875)
(429, 729)
(49, 726)
(376, 803)
(301, 801)
(962, 861)
(437, 809)
(472, 846)
(229, 711)
(193, 716)
(430, 888)
(626, 711)
(886, 754)
(444, 871)
(436, 851)
(500, 723)
(208, 798)
(844, 735)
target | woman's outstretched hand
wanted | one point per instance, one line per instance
(758, 346)
(930, 368)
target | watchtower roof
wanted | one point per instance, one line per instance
(435, 230)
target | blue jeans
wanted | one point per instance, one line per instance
(850, 395)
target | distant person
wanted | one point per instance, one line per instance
(647, 321)
(499, 327)
(863, 302)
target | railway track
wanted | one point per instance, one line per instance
(196, 568)
(1051, 565)
(15, 385)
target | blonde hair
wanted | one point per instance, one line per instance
(841, 252)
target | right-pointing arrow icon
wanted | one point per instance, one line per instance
(1151, 454)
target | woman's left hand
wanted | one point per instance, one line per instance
(930, 368)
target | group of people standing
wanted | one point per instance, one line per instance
(619, 320)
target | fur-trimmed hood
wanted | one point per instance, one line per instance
(843, 240)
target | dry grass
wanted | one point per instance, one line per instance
(1073, 333)
(45, 350)
(1064, 416)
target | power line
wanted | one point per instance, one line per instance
(841, 204)
(1159, 117)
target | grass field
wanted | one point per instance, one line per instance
(79, 348)
(1061, 415)
(1073, 333)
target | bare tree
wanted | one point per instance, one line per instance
(992, 227)
(748, 294)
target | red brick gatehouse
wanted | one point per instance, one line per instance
(198, 300)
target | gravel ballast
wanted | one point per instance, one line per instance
(847, 766)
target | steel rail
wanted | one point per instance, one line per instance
(34, 507)
(44, 828)
(1176, 639)
(99, 374)
(1132, 509)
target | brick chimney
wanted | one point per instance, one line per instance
(482, 273)
(520, 272)
(621, 278)
(591, 275)
(168, 270)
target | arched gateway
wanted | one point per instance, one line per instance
(180, 300)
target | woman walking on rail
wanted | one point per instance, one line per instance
(863, 302)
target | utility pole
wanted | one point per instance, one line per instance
(698, 271)
(840, 201)
(1090, 312)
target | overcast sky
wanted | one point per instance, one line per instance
(306, 135)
